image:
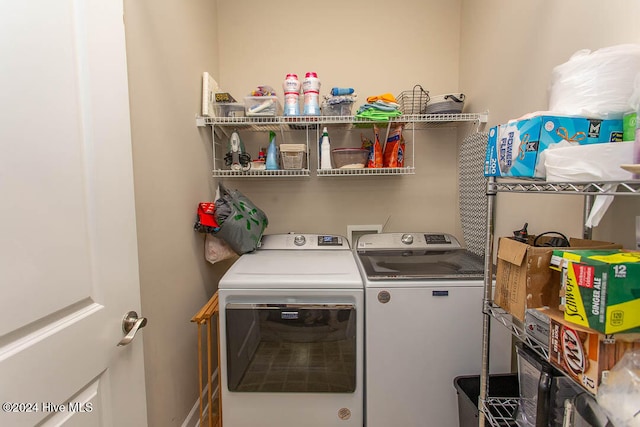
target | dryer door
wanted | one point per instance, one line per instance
(291, 347)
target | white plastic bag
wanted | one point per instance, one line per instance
(565, 162)
(595, 84)
(216, 249)
(619, 395)
(584, 163)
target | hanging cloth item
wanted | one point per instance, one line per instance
(241, 222)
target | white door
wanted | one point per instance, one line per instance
(68, 251)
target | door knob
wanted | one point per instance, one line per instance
(130, 325)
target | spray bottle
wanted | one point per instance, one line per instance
(325, 150)
(272, 153)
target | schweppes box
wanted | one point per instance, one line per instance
(601, 288)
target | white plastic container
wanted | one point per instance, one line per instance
(325, 150)
(261, 106)
(291, 88)
(451, 103)
(311, 89)
(292, 155)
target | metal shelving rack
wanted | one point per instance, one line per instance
(312, 125)
(501, 411)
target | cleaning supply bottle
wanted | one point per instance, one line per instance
(325, 150)
(272, 153)
(311, 89)
(291, 87)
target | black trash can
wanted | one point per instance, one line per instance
(468, 389)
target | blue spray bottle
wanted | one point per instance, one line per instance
(272, 153)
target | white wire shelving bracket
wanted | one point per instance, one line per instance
(614, 188)
(410, 170)
(222, 126)
(497, 411)
(261, 173)
(261, 123)
(501, 411)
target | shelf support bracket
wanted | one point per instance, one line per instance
(488, 286)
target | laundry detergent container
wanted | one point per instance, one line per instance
(468, 389)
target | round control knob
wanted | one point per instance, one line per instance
(299, 240)
(407, 239)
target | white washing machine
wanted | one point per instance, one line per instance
(292, 334)
(423, 317)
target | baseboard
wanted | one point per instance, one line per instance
(193, 418)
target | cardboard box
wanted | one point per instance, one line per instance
(601, 288)
(583, 353)
(513, 148)
(605, 130)
(536, 327)
(523, 277)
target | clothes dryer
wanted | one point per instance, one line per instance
(292, 334)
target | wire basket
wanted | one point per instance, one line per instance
(413, 101)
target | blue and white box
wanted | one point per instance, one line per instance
(514, 148)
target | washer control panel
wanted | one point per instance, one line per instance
(413, 240)
(330, 240)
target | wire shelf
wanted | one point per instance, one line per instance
(517, 329)
(295, 123)
(222, 127)
(500, 411)
(617, 188)
(366, 171)
(260, 173)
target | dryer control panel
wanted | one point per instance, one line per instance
(303, 241)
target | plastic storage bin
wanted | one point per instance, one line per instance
(341, 109)
(262, 106)
(228, 109)
(349, 158)
(468, 389)
(292, 155)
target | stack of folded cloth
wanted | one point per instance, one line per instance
(339, 102)
(380, 107)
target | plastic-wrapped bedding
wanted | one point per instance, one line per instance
(595, 84)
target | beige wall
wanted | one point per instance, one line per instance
(375, 48)
(508, 50)
(169, 44)
(379, 47)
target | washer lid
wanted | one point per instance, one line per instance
(294, 269)
(457, 264)
(423, 255)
